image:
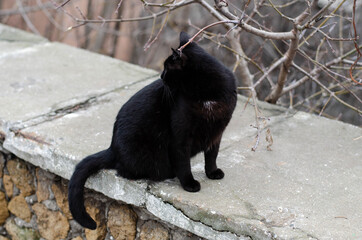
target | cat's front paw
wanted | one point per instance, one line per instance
(217, 174)
(192, 186)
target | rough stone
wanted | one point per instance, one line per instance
(183, 235)
(61, 196)
(43, 184)
(4, 213)
(50, 204)
(2, 165)
(23, 224)
(78, 238)
(51, 225)
(8, 185)
(31, 199)
(19, 207)
(75, 228)
(152, 230)
(18, 233)
(21, 177)
(96, 210)
(122, 222)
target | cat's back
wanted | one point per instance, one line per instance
(145, 112)
(148, 99)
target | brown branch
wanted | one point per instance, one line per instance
(174, 7)
(335, 39)
(266, 34)
(118, 7)
(271, 68)
(50, 17)
(200, 31)
(234, 39)
(289, 55)
(167, 4)
(332, 93)
(63, 4)
(221, 7)
(27, 9)
(246, 76)
(359, 54)
(279, 12)
(320, 25)
(26, 18)
(284, 70)
(258, 127)
(315, 71)
(149, 42)
(257, 111)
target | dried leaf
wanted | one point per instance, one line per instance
(269, 139)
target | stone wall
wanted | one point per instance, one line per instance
(33, 205)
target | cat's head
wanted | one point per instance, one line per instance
(194, 72)
(177, 65)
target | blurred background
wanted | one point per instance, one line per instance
(146, 30)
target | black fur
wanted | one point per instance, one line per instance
(165, 124)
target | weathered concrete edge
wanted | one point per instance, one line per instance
(106, 182)
(136, 193)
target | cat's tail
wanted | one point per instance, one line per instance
(88, 166)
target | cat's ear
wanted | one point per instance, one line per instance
(184, 38)
(176, 53)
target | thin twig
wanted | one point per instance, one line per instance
(359, 54)
(118, 7)
(202, 30)
(63, 4)
(26, 9)
(174, 7)
(331, 93)
(149, 43)
(279, 12)
(26, 18)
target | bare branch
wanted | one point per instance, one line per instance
(174, 7)
(221, 7)
(26, 9)
(279, 12)
(290, 54)
(332, 94)
(359, 55)
(26, 18)
(200, 31)
(149, 43)
(315, 71)
(266, 34)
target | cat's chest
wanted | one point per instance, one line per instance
(209, 106)
(210, 110)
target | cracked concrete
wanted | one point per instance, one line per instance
(61, 107)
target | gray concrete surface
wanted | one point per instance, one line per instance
(58, 105)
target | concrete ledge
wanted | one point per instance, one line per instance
(61, 107)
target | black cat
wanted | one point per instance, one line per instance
(165, 124)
